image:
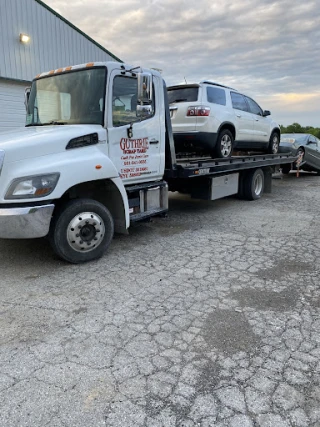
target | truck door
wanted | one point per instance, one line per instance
(136, 146)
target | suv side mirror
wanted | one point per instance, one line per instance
(144, 105)
(26, 96)
(266, 113)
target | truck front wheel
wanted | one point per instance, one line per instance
(81, 230)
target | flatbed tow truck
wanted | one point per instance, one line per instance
(97, 154)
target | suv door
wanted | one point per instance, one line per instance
(261, 125)
(312, 152)
(243, 121)
(139, 157)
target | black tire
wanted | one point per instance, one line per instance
(285, 169)
(253, 184)
(81, 230)
(224, 145)
(274, 143)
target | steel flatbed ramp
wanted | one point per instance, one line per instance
(186, 168)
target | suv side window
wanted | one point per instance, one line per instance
(313, 140)
(254, 107)
(124, 101)
(238, 101)
(216, 95)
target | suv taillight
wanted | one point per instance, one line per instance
(199, 110)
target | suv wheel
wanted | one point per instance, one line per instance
(224, 145)
(274, 143)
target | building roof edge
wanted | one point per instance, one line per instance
(77, 29)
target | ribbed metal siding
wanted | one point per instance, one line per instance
(53, 43)
(12, 109)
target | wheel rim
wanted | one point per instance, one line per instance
(226, 145)
(300, 152)
(85, 232)
(275, 144)
(258, 185)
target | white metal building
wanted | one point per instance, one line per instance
(34, 38)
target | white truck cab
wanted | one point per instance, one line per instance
(97, 153)
(82, 131)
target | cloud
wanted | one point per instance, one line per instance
(266, 49)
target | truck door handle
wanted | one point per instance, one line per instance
(238, 115)
(154, 141)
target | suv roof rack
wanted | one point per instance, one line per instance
(217, 84)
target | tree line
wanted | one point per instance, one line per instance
(297, 128)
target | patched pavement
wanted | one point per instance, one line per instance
(209, 317)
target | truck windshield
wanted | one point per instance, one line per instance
(76, 97)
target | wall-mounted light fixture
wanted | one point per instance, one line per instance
(24, 38)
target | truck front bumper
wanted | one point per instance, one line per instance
(25, 222)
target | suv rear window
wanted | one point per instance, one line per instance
(216, 95)
(186, 94)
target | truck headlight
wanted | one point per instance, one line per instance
(32, 186)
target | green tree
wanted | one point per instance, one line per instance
(297, 128)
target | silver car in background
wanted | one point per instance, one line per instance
(303, 145)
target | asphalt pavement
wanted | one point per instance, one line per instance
(209, 317)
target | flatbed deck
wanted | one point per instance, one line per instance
(193, 167)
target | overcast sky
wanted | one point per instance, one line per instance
(269, 50)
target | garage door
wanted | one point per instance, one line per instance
(12, 110)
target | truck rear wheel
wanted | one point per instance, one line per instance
(81, 231)
(253, 184)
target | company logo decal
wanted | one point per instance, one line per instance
(134, 159)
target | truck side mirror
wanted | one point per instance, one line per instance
(266, 113)
(144, 104)
(26, 96)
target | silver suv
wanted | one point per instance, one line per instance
(214, 119)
